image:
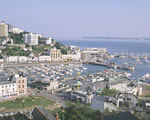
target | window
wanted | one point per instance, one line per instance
(22, 81)
(19, 86)
(13, 89)
(2, 91)
(6, 86)
(9, 85)
(13, 85)
(2, 86)
(19, 81)
(22, 86)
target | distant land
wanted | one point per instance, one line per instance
(117, 38)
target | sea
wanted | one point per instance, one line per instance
(120, 47)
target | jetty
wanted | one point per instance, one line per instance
(113, 65)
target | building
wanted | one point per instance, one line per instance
(55, 55)
(72, 57)
(12, 86)
(94, 54)
(52, 85)
(8, 89)
(126, 100)
(31, 39)
(15, 30)
(25, 38)
(103, 102)
(48, 41)
(3, 29)
(96, 50)
(40, 35)
(21, 82)
(83, 97)
(39, 113)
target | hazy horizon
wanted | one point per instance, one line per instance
(75, 19)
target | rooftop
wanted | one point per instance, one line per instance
(121, 116)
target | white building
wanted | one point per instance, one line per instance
(48, 41)
(40, 35)
(8, 90)
(3, 29)
(16, 30)
(44, 58)
(96, 50)
(55, 55)
(31, 39)
(72, 57)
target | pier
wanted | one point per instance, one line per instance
(110, 65)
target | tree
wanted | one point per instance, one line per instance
(63, 48)
(80, 112)
(108, 92)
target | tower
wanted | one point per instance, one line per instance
(3, 29)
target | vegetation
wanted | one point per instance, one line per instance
(17, 38)
(40, 48)
(15, 51)
(25, 102)
(108, 92)
(18, 116)
(78, 112)
(148, 87)
(62, 47)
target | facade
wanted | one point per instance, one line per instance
(72, 57)
(13, 86)
(55, 55)
(3, 29)
(15, 30)
(94, 54)
(83, 97)
(21, 82)
(44, 58)
(101, 103)
(48, 41)
(8, 90)
(31, 39)
(126, 99)
(96, 50)
(53, 85)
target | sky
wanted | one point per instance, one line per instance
(71, 19)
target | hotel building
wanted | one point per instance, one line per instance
(31, 39)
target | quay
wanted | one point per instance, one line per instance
(41, 63)
(109, 65)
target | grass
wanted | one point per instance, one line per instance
(56, 110)
(146, 96)
(148, 87)
(26, 102)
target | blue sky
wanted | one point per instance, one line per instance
(76, 18)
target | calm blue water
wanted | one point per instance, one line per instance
(137, 47)
(132, 47)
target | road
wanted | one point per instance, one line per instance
(52, 97)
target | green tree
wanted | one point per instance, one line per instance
(17, 38)
(108, 92)
(80, 112)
